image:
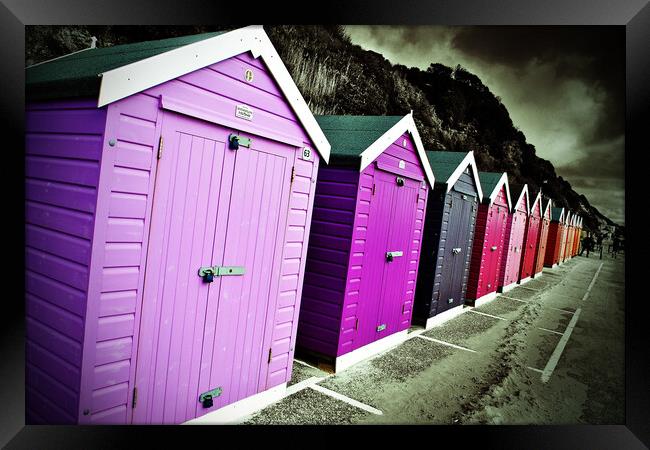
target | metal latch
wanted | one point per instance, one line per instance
(391, 255)
(381, 327)
(206, 399)
(456, 250)
(234, 141)
(208, 273)
(399, 181)
(493, 248)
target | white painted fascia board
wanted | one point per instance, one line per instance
(471, 161)
(405, 124)
(547, 210)
(136, 77)
(521, 195)
(503, 181)
(537, 201)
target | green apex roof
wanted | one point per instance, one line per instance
(489, 181)
(77, 74)
(351, 135)
(555, 213)
(443, 164)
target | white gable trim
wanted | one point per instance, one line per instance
(567, 218)
(546, 210)
(406, 124)
(136, 77)
(503, 181)
(538, 200)
(471, 161)
(561, 218)
(521, 195)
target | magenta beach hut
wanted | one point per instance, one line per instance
(513, 242)
(169, 195)
(365, 239)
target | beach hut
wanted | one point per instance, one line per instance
(568, 252)
(564, 242)
(544, 225)
(365, 239)
(576, 238)
(169, 195)
(447, 238)
(531, 239)
(555, 232)
(489, 237)
(514, 238)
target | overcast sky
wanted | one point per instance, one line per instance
(563, 86)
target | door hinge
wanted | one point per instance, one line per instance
(356, 324)
(403, 308)
(373, 188)
(293, 173)
(135, 397)
(160, 147)
(270, 355)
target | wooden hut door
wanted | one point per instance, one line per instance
(447, 297)
(466, 205)
(390, 224)
(209, 209)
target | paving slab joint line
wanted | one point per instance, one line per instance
(488, 315)
(348, 400)
(550, 331)
(536, 370)
(516, 299)
(448, 344)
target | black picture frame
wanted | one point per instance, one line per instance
(634, 15)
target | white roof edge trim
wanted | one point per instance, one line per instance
(471, 161)
(503, 181)
(538, 199)
(136, 77)
(523, 190)
(405, 124)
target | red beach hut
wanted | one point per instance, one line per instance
(545, 222)
(555, 233)
(489, 236)
(514, 238)
(531, 239)
(365, 239)
(564, 242)
(169, 194)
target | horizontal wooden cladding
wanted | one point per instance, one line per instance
(61, 320)
(67, 121)
(70, 171)
(54, 341)
(59, 244)
(107, 397)
(40, 408)
(75, 223)
(47, 386)
(69, 272)
(114, 327)
(69, 196)
(113, 350)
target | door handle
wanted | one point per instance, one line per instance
(208, 273)
(456, 250)
(493, 248)
(391, 255)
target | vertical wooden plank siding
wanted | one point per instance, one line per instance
(63, 145)
(513, 244)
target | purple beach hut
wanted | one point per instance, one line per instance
(169, 194)
(365, 239)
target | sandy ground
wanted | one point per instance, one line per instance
(497, 377)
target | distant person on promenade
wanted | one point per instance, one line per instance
(587, 244)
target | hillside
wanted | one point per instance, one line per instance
(454, 110)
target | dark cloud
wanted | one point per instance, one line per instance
(564, 88)
(592, 54)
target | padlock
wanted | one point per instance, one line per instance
(233, 142)
(207, 401)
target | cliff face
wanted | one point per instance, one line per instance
(454, 110)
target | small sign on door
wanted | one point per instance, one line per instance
(244, 112)
(306, 154)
